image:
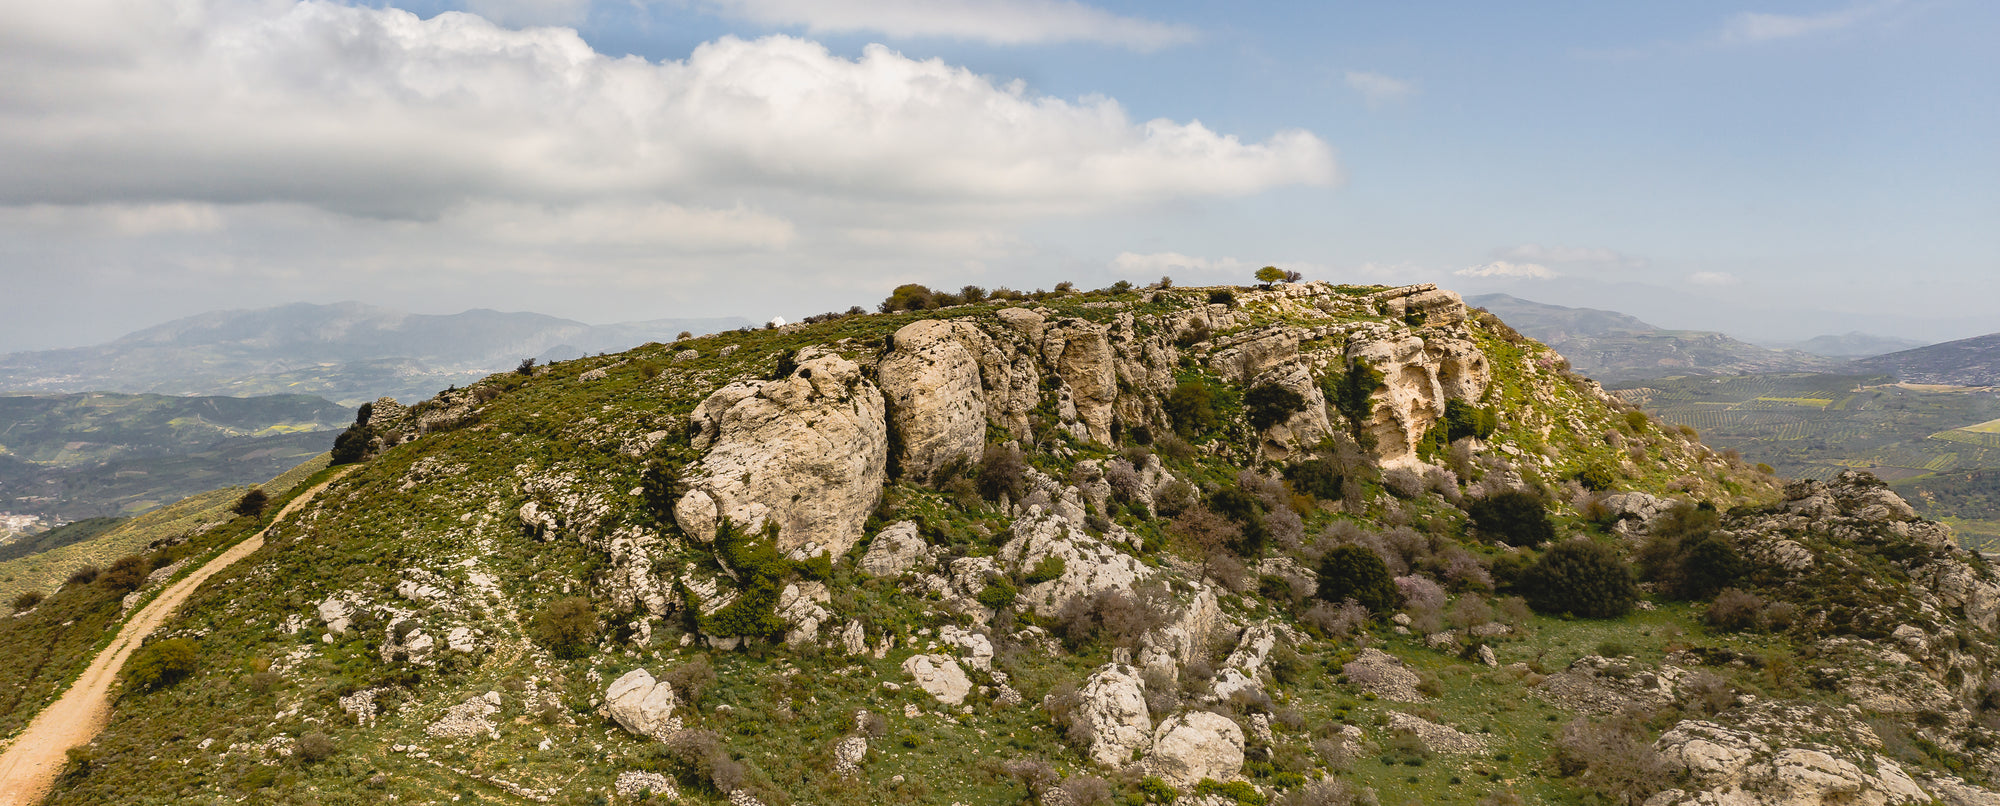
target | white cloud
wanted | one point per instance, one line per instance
(1379, 89)
(1753, 26)
(1000, 22)
(1713, 278)
(1507, 270)
(1594, 258)
(376, 112)
(654, 225)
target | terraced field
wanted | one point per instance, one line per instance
(1813, 426)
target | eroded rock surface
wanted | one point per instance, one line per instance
(1193, 745)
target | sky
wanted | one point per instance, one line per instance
(1776, 170)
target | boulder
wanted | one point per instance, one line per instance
(641, 705)
(940, 676)
(937, 408)
(895, 550)
(1193, 745)
(1729, 766)
(808, 452)
(1114, 707)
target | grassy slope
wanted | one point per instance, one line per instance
(45, 571)
(448, 501)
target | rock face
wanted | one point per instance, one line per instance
(940, 676)
(1080, 354)
(808, 452)
(1114, 707)
(931, 382)
(1193, 745)
(1419, 374)
(642, 705)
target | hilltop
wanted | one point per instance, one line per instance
(1615, 348)
(1965, 362)
(1315, 544)
(347, 352)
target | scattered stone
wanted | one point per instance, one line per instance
(1383, 675)
(633, 785)
(468, 719)
(1436, 737)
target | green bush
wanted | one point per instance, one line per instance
(1050, 568)
(1353, 572)
(1463, 420)
(908, 297)
(1514, 516)
(126, 575)
(162, 663)
(1581, 577)
(1269, 404)
(1191, 407)
(353, 443)
(1002, 472)
(998, 593)
(1352, 393)
(567, 626)
(1319, 478)
(1156, 790)
(1241, 792)
(1596, 478)
(1243, 509)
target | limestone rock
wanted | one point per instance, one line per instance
(799, 604)
(1436, 737)
(808, 451)
(1419, 375)
(1726, 766)
(977, 647)
(1089, 565)
(1597, 684)
(1183, 638)
(1114, 707)
(642, 705)
(633, 785)
(337, 612)
(930, 380)
(468, 719)
(1080, 354)
(1193, 745)
(895, 550)
(848, 754)
(939, 676)
(1384, 675)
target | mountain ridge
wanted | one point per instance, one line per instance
(1617, 348)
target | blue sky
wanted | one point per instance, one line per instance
(1775, 170)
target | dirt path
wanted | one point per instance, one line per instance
(39, 754)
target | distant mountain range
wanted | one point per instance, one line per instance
(1612, 347)
(1850, 345)
(1966, 362)
(346, 352)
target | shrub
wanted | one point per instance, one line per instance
(1268, 404)
(908, 297)
(1352, 572)
(567, 626)
(126, 575)
(1464, 420)
(1319, 478)
(1352, 393)
(83, 575)
(1243, 509)
(1611, 758)
(1176, 497)
(1087, 790)
(1514, 516)
(1709, 564)
(352, 444)
(691, 679)
(1735, 610)
(1116, 618)
(1596, 478)
(1242, 793)
(1191, 407)
(315, 747)
(1002, 472)
(1581, 577)
(1403, 482)
(1050, 568)
(1636, 421)
(998, 593)
(1222, 297)
(27, 600)
(161, 663)
(252, 503)
(1336, 621)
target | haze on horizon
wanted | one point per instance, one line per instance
(1775, 170)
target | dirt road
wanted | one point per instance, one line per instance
(38, 755)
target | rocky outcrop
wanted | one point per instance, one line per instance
(1113, 707)
(1598, 684)
(1193, 745)
(896, 550)
(1726, 766)
(1089, 565)
(939, 676)
(930, 379)
(1194, 619)
(1419, 374)
(1079, 354)
(641, 705)
(1436, 738)
(1383, 675)
(808, 452)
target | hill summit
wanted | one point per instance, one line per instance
(1309, 544)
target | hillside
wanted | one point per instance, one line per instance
(1312, 544)
(1614, 348)
(1966, 362)
(69, 457)
(1851, 345)
(346, 352)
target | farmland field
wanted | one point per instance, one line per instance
(1814, 426)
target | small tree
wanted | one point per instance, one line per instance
(352, 444)
(1353, 572)
(252, 503)
(126, 575)
(1270, 274)
(1582, 577)
(526, 367)
(1269, 404)
(27, 600)
(1191, 406)
(161, 663)
(1353, 394)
